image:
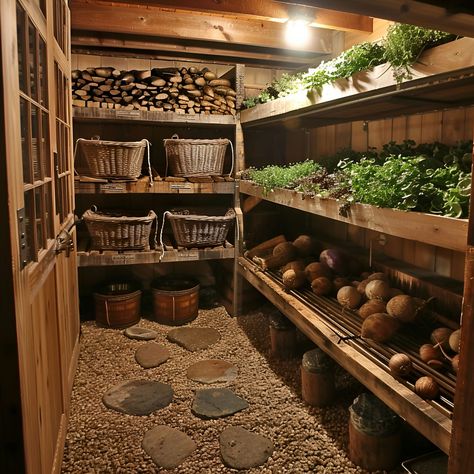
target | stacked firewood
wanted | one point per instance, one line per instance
(186, 90)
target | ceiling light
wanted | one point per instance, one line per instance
(297, 32)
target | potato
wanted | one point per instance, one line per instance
(349, 297)
(321, 286)
(293, 279)
(315, 270)
(372, 307)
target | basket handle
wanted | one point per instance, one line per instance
(232, 152)
(166, 213)
(148, 145)
(175, 136)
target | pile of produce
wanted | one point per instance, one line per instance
(186, 90)
(383, 309)
(433, 178)
(400, 48)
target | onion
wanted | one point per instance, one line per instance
(349, 297)
(426, 387)
(400, 365)
(441, 336)
(321, 286)
(377, 290)
(455, 363)
(455, 340)
(429, 352)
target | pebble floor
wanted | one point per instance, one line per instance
(306, 439)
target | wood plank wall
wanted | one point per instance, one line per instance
(448, 126)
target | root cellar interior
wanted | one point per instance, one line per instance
(238, 236)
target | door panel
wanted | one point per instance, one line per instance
(34, 41)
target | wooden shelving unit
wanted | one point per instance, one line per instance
(443, 77)
(142, 186)
(436, 230)
(433, 422)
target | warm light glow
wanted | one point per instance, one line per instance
(297, 32)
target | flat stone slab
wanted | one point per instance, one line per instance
(168, 447)
(151, 355)
(138, 397)
(142, 334)
(242, 449)
(194, 339)
(217, 403)
(212, 371)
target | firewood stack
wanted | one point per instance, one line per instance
(184, 91)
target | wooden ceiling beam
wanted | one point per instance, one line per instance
(119, 18)
(419, 13)
(266, 10)
(157, 48)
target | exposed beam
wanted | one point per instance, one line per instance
(266, 10)
(139, 19)
(404, 11)
(160, 48)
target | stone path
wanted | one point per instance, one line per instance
(242, 449)
(168, 447)
(151, 355)
(193, 338)
(212, 371)
(138, 397)
(217, 403)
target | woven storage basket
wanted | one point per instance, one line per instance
(192, 230)
(190, 157)
(114, 231)
(107, 159)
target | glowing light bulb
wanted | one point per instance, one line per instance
(297, 32)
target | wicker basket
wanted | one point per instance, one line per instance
(191, 230)
(114, 231)
(106, 159)
(190, 157)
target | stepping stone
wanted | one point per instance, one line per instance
(242, 449)
(151, 355)
(212, 371)
(168, 447)
(194, 339)
(142, 334)
(217, 403)
(138, 397)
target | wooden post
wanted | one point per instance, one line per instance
(374, 434)
(317, 378)
(282, 336)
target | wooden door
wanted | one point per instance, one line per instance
(37, 137)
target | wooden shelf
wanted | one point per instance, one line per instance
(94, 258)
(144, 116)
(443, 77)
(426, 417)
(440, 231)
(142, 185)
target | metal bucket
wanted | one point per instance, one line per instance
(117, 305)
(175, 300)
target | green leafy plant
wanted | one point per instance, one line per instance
(274, 176)
(404, 43)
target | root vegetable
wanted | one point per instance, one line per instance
(336, 260)
(294, 279)
(379, 327)
(455, 363)
(455, 340)
(400, 365)
(321, 286)
(395, 292)
(362, 285)
(403, 307)
(371, 307)
(429, 352)
(378, 276)
(349, 297)
(306, 246)
(427, 387)
(294, 265)
(286, 249)
(377, 290)
(316, 270)
(441, 336)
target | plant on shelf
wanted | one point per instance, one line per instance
(400, 48)
(404, 43)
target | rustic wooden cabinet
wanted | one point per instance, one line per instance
(368, 110)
